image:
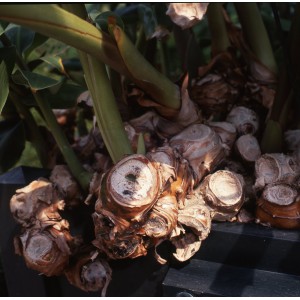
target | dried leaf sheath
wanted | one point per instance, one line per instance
(201, 147)
(37, 204)
(89, 272)
(162, 218)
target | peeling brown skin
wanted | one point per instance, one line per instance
(285, 215)
(201, 147)
(66, 185)
(169, 122)
(218, 85)
(196, 215)
(186, 246)
(37, 202)
(89, 273)
(162, 218)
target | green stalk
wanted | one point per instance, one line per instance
(217, 26)
(55, 22)
(108, 117)
(82, 176)
(147, 77)
(256, 34)
(287, 92)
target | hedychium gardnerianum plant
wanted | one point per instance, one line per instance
(171, 191)
(142, 198)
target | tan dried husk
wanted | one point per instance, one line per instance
(218, 85)
(162, 218)
(201, 147)
(186, 246)
(261, 81)
(89, 272)
(223, 191)
(244, 119)
(167, 161)
(133, 136)
(169, 121)
(279, 206)
(86, 146)
(66, 184)
(186, 15)
(45, 250)
(196, 216)
(118, 240)
(275, 167)
(36, 203)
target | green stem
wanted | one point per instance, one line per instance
(108, 117)
(82, 176)
(287, 92)
(256, 34)
(217, 26)
(55, 22)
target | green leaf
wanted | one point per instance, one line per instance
(65, 97)
(4, 85)
(33, 80)
(55, 62)
(38, 40)
(20, 36)
(7, 62)
(12, 143)
(108, 17)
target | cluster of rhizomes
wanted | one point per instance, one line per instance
(195, 170)
(188, 178)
